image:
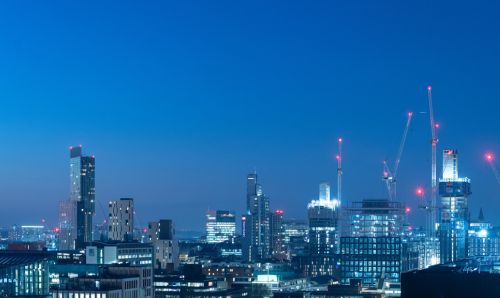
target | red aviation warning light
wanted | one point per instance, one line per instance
(489, 157)
(419, 191)
(407, 210)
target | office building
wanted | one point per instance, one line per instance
(453, 218)
(220, 226)
(79, 211)
(114, 252)
(257, 242)
(323, 233)
(25, 273)
(371, 242)
(121, 220)
(483, 238)
(277, 234)
(114, 281)
(166, 247)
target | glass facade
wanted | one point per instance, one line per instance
(24, 274)
(371, 246)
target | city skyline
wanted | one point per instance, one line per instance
(172, 103)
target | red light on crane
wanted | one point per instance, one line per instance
(337, 157)
(419, 191)
(407, 210)
(410, 114)
(436, 125)
(429, 88)
(489, 157)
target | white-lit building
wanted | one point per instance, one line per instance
(220, 226)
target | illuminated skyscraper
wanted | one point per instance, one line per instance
(323, 231)
(82, 194)
(256, 244)
(121, 219)
(278, 247)
(453, 210)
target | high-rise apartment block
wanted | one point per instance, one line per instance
(121, 219)
(166, 247)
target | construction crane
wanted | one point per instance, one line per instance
(434, 142)
(339, 171)
(490, 158)
(390, 176)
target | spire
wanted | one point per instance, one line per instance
(481, 215)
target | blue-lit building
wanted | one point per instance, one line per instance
(483, 239)
(25, 273)
(453, 213)
(323, 234)
(371, 246)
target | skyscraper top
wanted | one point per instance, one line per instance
(75, 151)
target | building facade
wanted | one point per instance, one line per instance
(166, 247)
(121, 220)
(453, 213)
(220, 226)
(256, 244)
(82, 196)
(371, 244)
(323, 234)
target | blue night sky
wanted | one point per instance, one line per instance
(179, 101)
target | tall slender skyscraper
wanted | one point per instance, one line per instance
(257, 228)
(82, 194)
(454, 212)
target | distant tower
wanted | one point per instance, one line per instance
(256, 244)
(323, 233)
(82, 194)
(454, 212)
(121, 219)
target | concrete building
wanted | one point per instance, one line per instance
(113, 252)
(109, 282)
(166, 247)
(121, 220)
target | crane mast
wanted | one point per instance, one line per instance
(339, 171)
(434, 142)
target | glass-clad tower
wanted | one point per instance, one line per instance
(82, 194)
(453, 210)
(323, 233)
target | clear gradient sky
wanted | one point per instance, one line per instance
(180, 100)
